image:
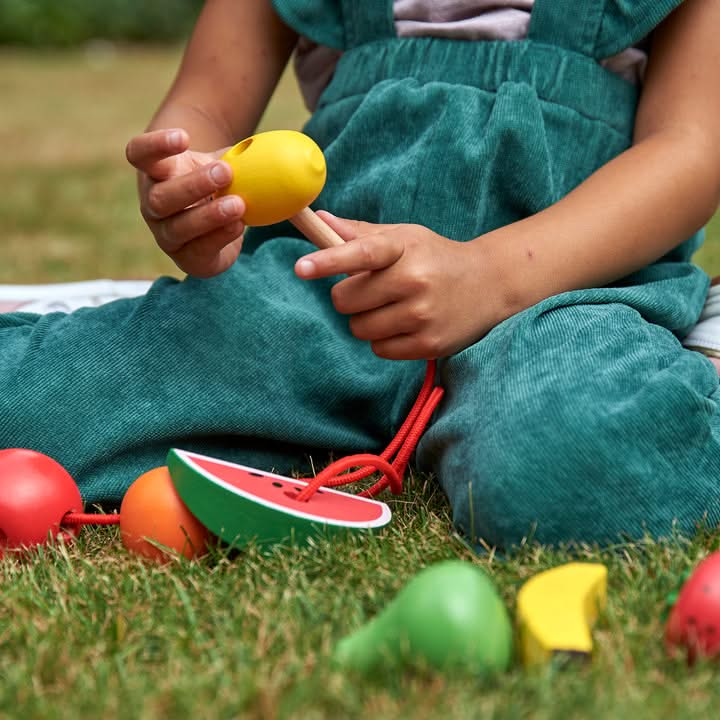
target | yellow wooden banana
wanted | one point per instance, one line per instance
(556, 610)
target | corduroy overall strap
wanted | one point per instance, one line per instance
(570, 24)
(367, 20)
(597, 28)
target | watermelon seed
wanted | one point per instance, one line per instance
(277, 484)
(254, 474)
(292, 493)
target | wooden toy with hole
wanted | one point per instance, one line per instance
(278, 174)
(241, 505)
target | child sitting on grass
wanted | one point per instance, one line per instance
(520, 198)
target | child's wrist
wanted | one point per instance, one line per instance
(501, 282)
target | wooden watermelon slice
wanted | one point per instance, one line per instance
(241, 504)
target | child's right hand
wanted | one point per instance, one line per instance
(201, 233)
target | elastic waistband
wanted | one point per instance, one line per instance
(558, 76)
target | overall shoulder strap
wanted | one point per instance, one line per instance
(368, 20)
(570, 24)
(624, 24)
(598, 28)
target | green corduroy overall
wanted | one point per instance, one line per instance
(581, 418)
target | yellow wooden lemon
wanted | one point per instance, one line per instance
(277, 173)
(556, 610)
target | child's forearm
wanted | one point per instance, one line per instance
(628, 214)
(231, 66)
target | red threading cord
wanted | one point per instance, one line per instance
(73, 518)
(402, 446)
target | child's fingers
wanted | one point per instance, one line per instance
(147, 152)
(405, 347)
(164, 199)
(385, 322)
(348, 229)
(371, 252)
(365, 292)
(221, 217)
(210, 254)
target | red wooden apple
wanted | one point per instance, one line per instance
(694, 622)
(36, 492)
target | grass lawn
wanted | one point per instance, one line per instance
(90, 630)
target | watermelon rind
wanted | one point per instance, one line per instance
(239, 518)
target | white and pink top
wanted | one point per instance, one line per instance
(452, 19)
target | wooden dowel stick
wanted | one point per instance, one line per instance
(315, 230)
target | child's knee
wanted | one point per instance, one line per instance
(515, 483)
(580, 459)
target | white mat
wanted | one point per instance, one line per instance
(66, 297)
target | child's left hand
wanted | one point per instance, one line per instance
(412, 293)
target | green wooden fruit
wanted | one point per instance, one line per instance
(448, 617)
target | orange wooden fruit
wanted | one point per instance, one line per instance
(152, 513)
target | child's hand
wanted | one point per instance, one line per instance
(203, 235)
(412, 294)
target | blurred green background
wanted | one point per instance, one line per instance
(65, 23)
